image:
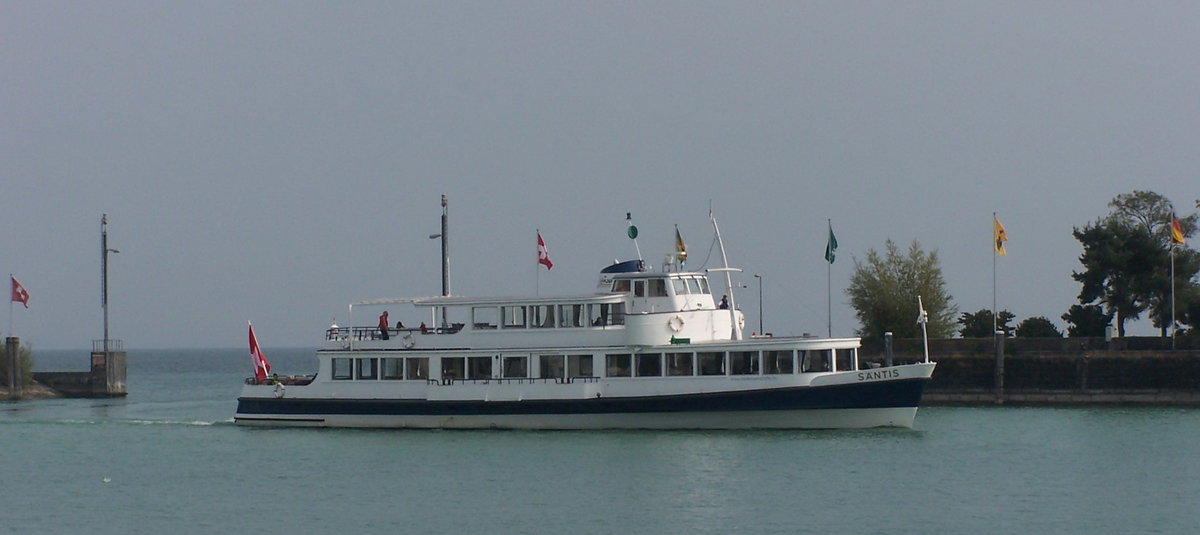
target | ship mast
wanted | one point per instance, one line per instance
(737, 329)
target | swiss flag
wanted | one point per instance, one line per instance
(261, 366)
(543, 254)
(21, 295)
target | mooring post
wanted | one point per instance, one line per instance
(887, 349)
(999, 377)
(12, 349)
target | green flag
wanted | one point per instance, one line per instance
(831, 246)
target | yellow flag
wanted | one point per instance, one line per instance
(999, 236)
(1176, 231)
(680, 247)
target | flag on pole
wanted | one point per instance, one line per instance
(999, 236)
(1176, 231)
(19, 293)
(831, 246)
(261, 366)
(680, 247)
(543, 253)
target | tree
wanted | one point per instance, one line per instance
(1127, 257)
(884, 288)
(1086, 320)
(979, 324)
(1038, 327)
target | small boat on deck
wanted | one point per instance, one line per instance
(648, 350)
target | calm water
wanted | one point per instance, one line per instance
(167, 460)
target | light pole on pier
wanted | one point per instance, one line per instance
(761, 332)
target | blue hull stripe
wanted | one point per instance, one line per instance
(882, 394)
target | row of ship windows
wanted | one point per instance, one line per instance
(544, 316)
(614, 365)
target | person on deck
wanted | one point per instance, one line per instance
(383, 325)
(724, 302)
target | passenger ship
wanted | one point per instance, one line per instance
(648, 350)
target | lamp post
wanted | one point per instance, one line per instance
(761, 332)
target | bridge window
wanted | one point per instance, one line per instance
(342, 369)
(680, 286)
(479, 368)
(703, 285)
(711, 363)
(694, 286)
(618, 365)
(367, 369)
(679, 364)
(516, 367)
(417, 368)
(658, 288)
(649, 365)
(483, 317)
(621, 286)
(514, 317)
(639, 288)
(551, 366)
(777, 362)
(579, 366)
(393, 368)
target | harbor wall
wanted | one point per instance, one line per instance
(1060, 371)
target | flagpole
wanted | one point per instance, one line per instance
(1173, 328)
(537, 275)
(829, 279)
(995, 252)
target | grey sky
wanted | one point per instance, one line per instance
(274, 161)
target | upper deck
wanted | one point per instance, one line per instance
(631, 308)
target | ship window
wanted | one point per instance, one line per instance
(453, 368)
(649, 365)
(367, 369)
(579, 366)
(680, 286)
(417, 368)
(342, 369)
(551, 366)
(711, 363)
(543, 316)
(516, 367)
(639, 288)
(658, 288)
(679, 364)
(814, 360)
(743, 362)
(777, 362)
(483, 317)
(618, 314)
(621, 286)
(393, 368)
(703, 285)
(845, 360)
(479, 368)
(602, 315)
(570, 315)
(618, 365)
(694, 286)
(514, 317)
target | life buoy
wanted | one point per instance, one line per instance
(279, 390)
(741, 321)
(675, 324)
(408, 341)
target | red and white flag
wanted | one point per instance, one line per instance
(543, 254)
(19, 293)
(261, 366)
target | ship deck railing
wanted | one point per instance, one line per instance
(359, 334)
(512, 380)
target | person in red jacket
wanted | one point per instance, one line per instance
(383, 325)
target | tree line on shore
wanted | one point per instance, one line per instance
(1126, 272)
